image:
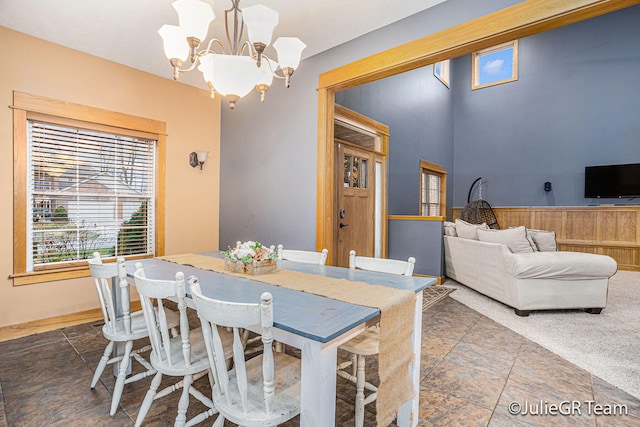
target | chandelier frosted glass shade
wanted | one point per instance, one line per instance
(289, 51)
(194, 16)
(174, 42)
(235, 76)
(260, 22)
(241, 66)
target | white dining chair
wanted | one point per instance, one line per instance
(368, 342)
(307, 257)
(261, 391)
(182, 356)
(120, 325)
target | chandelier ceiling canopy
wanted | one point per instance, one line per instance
(231, 70)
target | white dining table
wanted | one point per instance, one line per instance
(314, 324)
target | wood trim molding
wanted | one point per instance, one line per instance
(520, 20)
(355, 117)
(69, 110)
(24, 107)
(604, 230)
(52, 323)
(415, 218)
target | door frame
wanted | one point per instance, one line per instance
(520, 20)
(345, 115)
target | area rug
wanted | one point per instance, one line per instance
(434, 294)
(607, 345)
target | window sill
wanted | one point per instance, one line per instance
(43, 276)
(31, 278)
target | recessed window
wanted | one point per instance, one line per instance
(441, 71)
(433, 189)
(495, 65)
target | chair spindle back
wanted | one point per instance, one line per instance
(152, 290)
(102, 275)
(216, 314)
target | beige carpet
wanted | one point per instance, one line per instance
(434, 294)
(606, 345)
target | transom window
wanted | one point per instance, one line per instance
(433, 189)
(495, 65)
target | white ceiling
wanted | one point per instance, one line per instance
(125, 31)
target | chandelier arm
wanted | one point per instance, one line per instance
(274, 72)
(247, 45)
(209, 49)
(191, 67)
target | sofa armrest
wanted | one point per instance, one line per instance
(560, 265)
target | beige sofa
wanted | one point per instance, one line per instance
(531, 280)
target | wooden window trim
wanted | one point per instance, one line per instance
(437, 170)
(26, 107)
(475, 70)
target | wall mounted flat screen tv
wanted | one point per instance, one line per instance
(612, 181)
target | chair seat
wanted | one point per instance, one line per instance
(286, 403)
(199, 358)
(138, 327)
(365, 344)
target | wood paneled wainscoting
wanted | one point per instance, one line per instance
(605, 230)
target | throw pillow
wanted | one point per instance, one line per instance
(467, 230)
(450, 229)
(545, 241)
(514, 238)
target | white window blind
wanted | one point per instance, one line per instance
(88, 191)
(430, 194)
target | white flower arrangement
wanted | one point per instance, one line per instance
(250, 252)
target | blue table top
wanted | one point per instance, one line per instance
(312, 316)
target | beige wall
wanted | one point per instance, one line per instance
(193, 123)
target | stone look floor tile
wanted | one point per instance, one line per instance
(442, 409)
(491, 335)
(45, 378)
(461, 381)
(536, 399)
(489, 360)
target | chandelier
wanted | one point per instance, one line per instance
(235, 70)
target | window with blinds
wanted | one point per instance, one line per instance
(432, 189)
(430, 195)
(87, 191)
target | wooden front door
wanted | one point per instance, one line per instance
(355, 184)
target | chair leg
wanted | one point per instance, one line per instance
(102, 364)
(354, 365)
(148, 398)
(360, 391)
(122, 376)
(183, 403)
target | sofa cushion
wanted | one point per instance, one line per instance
(467, 230)
(515, 238)
(560, 265)
(450, 229)
(545, 241)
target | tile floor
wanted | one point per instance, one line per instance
(472, 369)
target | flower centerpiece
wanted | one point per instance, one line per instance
(251, 258)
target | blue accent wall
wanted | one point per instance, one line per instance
(268, 164)
(576, 103)
(418, 109)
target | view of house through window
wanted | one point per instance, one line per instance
(87, 191)
(432, 189)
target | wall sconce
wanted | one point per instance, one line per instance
(197, 158)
